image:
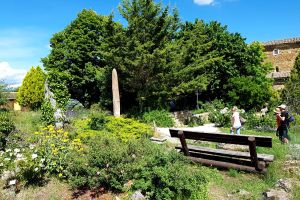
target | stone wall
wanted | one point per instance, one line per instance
(285, 60)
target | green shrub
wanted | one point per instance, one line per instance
(47, 112)
(127, 129)
(31, 93)
(158, 172)
(262, 123)
(6, 127)
(98, 121)
(161, 118)
(194, 121)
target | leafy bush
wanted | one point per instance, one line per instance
(74, 104)
(263, 123)
(138, 164)
(127, 129)
(47, 113)
(161, 118)
(81, 129)
(249, 91)
(98, 121)
(6, 127)
(194, 121)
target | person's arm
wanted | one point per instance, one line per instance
(282, 118)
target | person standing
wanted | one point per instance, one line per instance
(235, 121)
(277, 112)
(283, 128)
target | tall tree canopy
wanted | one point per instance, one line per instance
(194, 59)
(77, 61)
(240, 64)
(157, 58)
(149, 31)
(291, 92)
(31, 93)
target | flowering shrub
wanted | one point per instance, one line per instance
(55, 146)
(220, 117)
(46, 154)
(21, 164)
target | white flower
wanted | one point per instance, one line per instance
(19, 155)
(1, 164)
(17, 150)
(224, 110)
(31, 146)
(8, 150)
(7, 159)
(1, 153)
(34, 156)
(18, 169)
(12, 182)
(43, 160)
(41, 165)
(10, 154)
(36, 169)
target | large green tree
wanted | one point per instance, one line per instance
(150, 29)
(191, 61)
(31, 93)
(240, 62)
(77, 62)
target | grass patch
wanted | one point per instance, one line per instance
(27, 122)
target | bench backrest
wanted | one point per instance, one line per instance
(262, 141)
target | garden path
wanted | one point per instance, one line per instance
(164, 134)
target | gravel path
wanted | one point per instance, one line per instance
(164, 133)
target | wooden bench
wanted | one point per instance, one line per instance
(246, 161)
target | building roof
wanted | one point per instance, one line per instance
(284, 41)
(277, 75)
(11, 95)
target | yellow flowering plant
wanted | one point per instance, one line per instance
(55, 146)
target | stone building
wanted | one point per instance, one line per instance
(282, 55)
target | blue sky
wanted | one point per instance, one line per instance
(27, 25)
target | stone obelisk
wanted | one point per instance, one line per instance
(116, 95)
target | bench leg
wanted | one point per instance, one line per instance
(259, 166)
(183, 143)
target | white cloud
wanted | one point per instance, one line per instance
(11, 75)
(204, 2)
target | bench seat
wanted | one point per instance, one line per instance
(248, 161)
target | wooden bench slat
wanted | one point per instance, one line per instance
(262, 141)
(237, 154)
(225, 164)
